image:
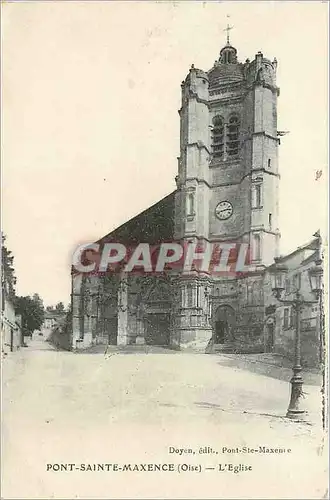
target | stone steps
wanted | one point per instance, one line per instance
(223, 348)
(233, 348)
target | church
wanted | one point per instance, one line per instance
(226, 191)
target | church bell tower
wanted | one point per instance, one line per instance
(227, 182)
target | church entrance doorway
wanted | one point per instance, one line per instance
(220, 332)
(223, 325)
(110, 330)
(270, 337)
(157, 329)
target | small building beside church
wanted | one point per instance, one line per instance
(52, 319)
(11, 325)
(281, 319)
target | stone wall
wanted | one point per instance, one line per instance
(310, 346)
(60, 339)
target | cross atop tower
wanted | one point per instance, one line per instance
(228, 30)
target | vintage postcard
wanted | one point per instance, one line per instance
(164, 320)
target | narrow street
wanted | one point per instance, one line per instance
(62, 407)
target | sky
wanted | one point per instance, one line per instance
(90, 129)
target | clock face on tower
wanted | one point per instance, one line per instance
(224, 210)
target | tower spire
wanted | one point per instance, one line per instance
(228, 54)
(228, 30)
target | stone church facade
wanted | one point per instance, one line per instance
(226, 191)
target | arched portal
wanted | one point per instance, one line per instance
(157, 312)
(224, 321)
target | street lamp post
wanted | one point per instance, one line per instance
(315, 277)
(294, 408)
(279, 273)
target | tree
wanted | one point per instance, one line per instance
(59, 307)
(36, 297)
(8, 278)
(32, 311)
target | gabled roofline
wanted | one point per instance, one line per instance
(136, 216)
(310, 258)
(311, 245)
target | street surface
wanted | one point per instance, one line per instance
(61, 407)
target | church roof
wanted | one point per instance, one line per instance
(153, 225)
(227, 69)
(312, 246)
(225, 73)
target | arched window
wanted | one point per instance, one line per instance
(286, 318)
(189, 295)
(218, 137)
(249, 292)
(256, 246)
(270, 221)
(191, 204)
(258, 196)
(254, 293)
(198, 298)
(232, 139)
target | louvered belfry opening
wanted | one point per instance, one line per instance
(218, 136)
(225, 137)
(232, 141)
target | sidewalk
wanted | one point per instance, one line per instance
(272, 365)
(125, 349)
(14, 363)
